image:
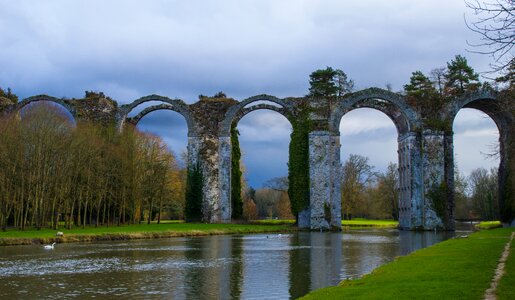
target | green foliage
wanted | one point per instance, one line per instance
(438, 194)
(8, 95)
(509, 75)
(298, 164)
(424, 96)
(430, 95)
(329, 82)
(460, 77)
(236, 198)
(194, 183)
(453, 269)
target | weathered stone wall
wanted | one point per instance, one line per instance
(435, 190)
(325, 207)
(410, 187)
(214, 157)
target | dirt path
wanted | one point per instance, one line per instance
(499, 272)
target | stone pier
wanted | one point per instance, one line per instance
(324, 170)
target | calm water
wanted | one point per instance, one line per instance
(273, 266)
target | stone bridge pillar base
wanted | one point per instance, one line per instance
(213, 154)
(435, 205)
(324, 169)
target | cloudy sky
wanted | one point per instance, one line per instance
(129, 49)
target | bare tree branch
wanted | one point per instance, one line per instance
(495, 24)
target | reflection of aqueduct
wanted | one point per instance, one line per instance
(425, 154)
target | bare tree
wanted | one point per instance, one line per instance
(495, 24)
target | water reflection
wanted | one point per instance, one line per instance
(278, 266)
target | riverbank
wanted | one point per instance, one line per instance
(128, 232)
(460, 268)
(165, 230)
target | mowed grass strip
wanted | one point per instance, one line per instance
(369, 223)
(137, 231)
(506, 288)
(488, 225)
(460, 268)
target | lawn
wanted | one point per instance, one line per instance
(369, 223)
(488, 225)
(460, 268)
(506, 287)
(167, 229)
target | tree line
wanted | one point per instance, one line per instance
(54, 173)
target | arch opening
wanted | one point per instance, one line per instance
(48, 108)
(264, 137)
(135, 111)
(169, 129)
(370, 165)
(477, 161)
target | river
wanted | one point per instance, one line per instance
(256, 266)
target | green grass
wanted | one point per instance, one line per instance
(274, 222)
(370, 223)
(138, 231)
(460, 268)
(488, 225)
(506, 287)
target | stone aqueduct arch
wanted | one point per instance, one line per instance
(66, 104)
(426, 156)
(407, 121)
(487, 102)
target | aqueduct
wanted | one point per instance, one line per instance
(425, 150)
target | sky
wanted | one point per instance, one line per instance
(181, 49)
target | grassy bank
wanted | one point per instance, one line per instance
(488, 225)
(369, 223)
(139, 231)
(506, 287)
(460, 268)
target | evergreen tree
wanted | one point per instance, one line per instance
(422, 93)
(460, 77)
(329, 82)
(9, 95)
(509, 76)
(420, 87)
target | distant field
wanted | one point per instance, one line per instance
(369, 223)
(488, 225)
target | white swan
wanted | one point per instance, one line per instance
(49, 246)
